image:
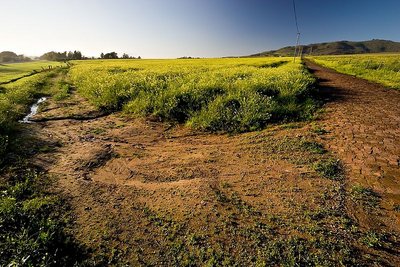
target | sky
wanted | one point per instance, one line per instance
(197, 28)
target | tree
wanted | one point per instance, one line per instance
(102, 55)
(58, 56)
(125, 56)
(54, 56)
(9, 57)
(111, 55)
(70, 55)
(77, 55)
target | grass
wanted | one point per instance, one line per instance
(329, 168)
(301, 150)
(63, 90)
(229, 95)
(318, 130)
(384, 69)
(14, 102)
(13, 71)
(365, 196)
(32, 223)
(257, 241)
(373, 239)
(17, 96)
(32, 220)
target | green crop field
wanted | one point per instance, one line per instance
(208, 94)
(13, 71)
(380, 68)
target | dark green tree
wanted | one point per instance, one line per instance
(111, 55)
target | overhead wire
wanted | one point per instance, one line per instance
(295, 17)
(298, 31)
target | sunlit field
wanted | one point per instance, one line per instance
(209, 94)
(12, 71)
(380, 68)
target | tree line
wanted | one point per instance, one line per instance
(113, 55)
(11, 57)
(64, 56)
(77, 55)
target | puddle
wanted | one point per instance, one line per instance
(34, 109)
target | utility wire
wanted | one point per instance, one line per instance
(295, 17)
(298, 31)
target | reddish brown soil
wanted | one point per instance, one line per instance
(363, 120)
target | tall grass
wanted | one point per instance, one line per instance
(210, 94)
(384, 69)
(32, 220)
(15, 99)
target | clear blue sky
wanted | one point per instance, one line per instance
(174, 28)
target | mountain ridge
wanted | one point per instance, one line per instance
(338, 48)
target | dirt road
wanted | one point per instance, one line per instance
(363, 120)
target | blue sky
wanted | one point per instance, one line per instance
(174, 28)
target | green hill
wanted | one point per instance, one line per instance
(338, 48)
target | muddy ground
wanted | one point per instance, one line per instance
(152, 193)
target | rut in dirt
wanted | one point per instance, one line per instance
(363, 120)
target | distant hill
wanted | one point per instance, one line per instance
(338, 48)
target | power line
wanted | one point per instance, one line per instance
(295, 17)
(298, 31)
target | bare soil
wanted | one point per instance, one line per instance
(363, 120)
(151, 193)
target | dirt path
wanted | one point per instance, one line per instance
(363, 120)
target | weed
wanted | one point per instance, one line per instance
(313, 147)
(31, 231)
(374, 239)
(48, 148)
(235, 200)
(292, 125)
(319, 130)
(365, 196)
(329, 168)
(97, 131)
(63, 90)
(225, 185)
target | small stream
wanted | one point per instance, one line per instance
(34, 109)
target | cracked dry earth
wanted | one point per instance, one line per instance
(138, 188)
(363, 120)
